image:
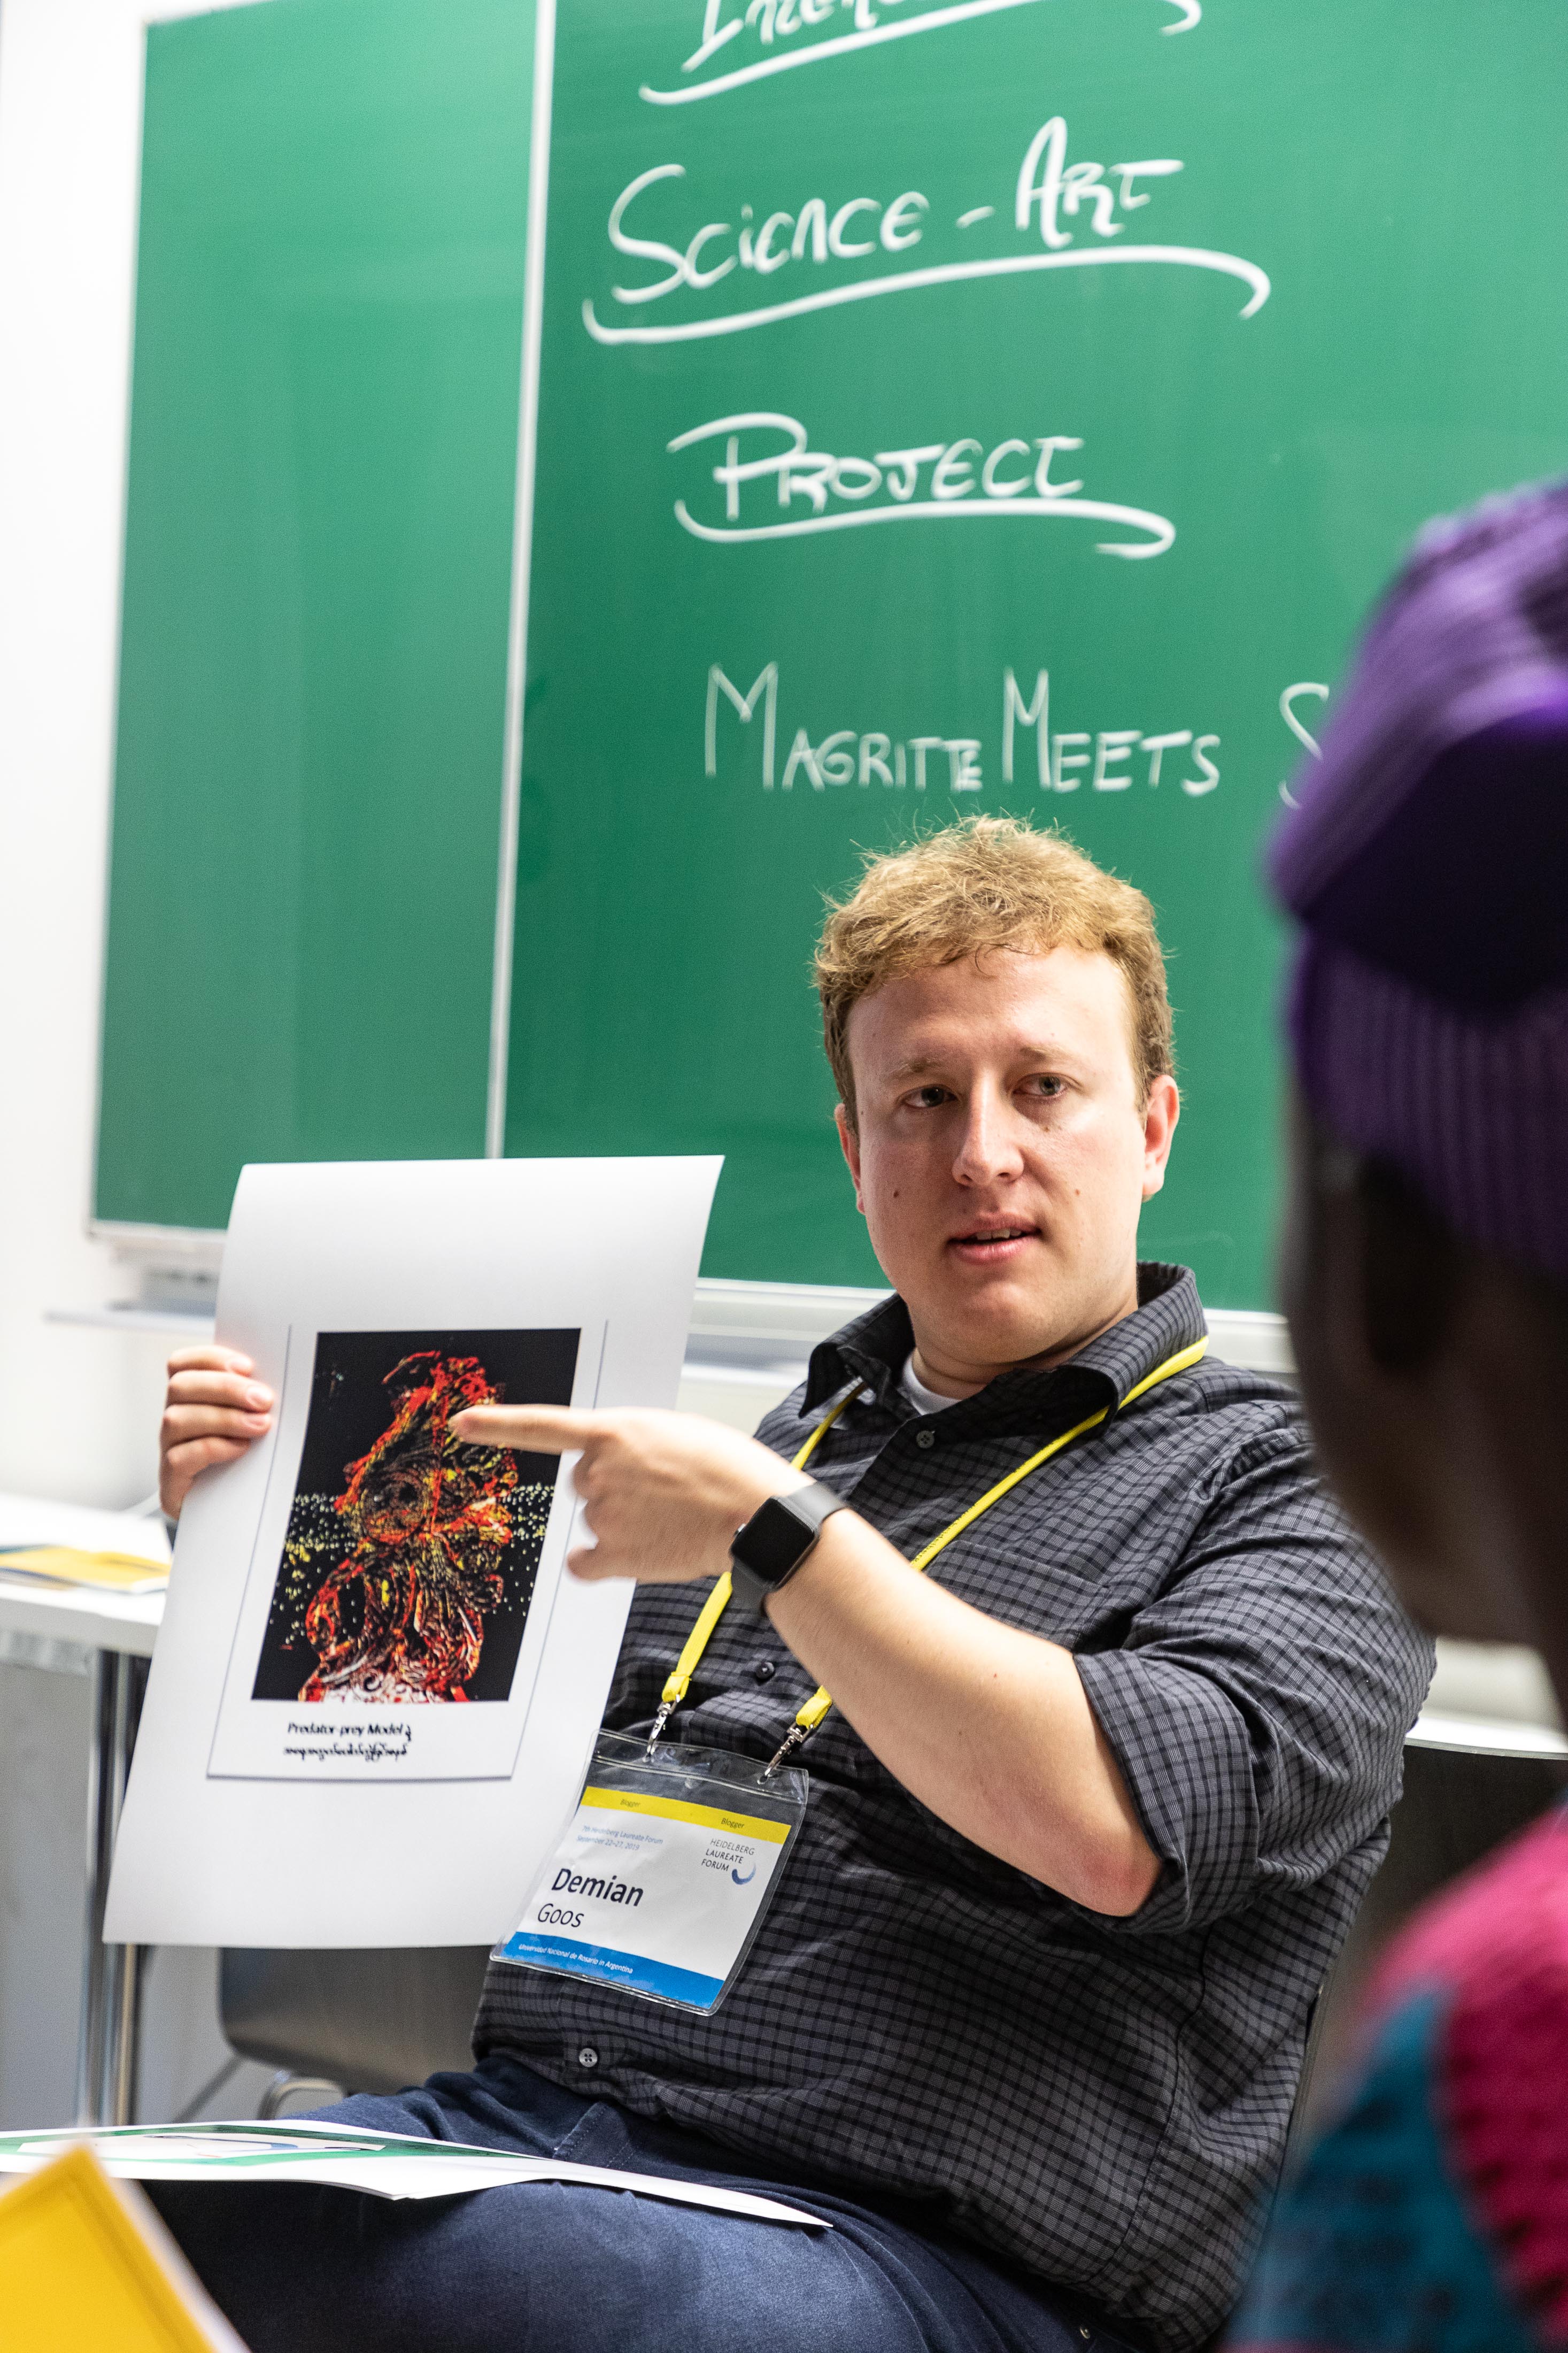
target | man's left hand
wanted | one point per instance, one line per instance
(665, 1492)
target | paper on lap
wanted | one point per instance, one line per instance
(386, 2164)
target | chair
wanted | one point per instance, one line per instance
(375, 2020)
(354, 2021)
(1459, 1803)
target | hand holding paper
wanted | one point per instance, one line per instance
(212, 1411)
(664, 1492)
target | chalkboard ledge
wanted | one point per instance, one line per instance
(747, 1336)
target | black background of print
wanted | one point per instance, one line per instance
(349, 1408)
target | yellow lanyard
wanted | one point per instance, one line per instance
(806, 1721)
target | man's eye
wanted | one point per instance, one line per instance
(1046, 1088)
(928, 1098)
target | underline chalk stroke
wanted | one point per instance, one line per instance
(1190, 14)
(951, 273)
(1163, 533)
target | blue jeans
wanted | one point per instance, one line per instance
(556, 2267)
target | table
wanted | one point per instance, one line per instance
(1482, 1735)
(110, 1638)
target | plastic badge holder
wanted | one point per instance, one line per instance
(665, 1872)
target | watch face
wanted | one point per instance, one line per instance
(772, 1540)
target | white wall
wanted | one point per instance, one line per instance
(78, 1407)
(74, 1406)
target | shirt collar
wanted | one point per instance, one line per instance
(875, 1347)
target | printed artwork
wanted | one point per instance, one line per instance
(410, 1559)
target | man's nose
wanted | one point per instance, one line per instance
(988, 1148)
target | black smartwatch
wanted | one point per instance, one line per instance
(773, 1542)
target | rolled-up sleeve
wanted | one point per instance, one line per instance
(1256, 1704)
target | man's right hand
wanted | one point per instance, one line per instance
(212, 1411)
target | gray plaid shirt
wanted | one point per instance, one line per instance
(1101, 2101)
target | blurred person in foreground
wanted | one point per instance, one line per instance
(1427, 1282)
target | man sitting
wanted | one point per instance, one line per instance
(1097, 1798)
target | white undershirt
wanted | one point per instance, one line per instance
(927, 1399)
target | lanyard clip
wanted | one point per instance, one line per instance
(666, 1709)
(794, 1738)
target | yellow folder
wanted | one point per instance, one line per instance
(83, 2270)
(111, 1572)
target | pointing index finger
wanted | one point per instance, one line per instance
(530, 1429)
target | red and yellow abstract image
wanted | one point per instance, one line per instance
(394, 1582)
(431, 1522)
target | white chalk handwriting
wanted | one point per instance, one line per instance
(767, 465)
(775, 28)
(1102, 760)
(1288, 713)
(1067, 214)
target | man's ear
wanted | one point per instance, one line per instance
(1161, 1113)
(849, 1143)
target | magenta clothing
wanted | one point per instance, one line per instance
(1433, 2216)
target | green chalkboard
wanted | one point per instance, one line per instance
(309, 779)
(1344, 311)
(1012, 404)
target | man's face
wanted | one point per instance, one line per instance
(1001, 1155)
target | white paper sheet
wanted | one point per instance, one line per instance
(343, 2156)
(401, 1821)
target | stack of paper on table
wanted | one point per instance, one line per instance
(107, 1572)
(387, 2165)
(43, 1542)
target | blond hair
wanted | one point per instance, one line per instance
(990, 883)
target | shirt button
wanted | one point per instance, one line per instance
(588, 2056)
(925, 1438)
(763, 1671)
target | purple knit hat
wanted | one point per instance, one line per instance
(1428, 865)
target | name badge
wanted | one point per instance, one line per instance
(661, 1882)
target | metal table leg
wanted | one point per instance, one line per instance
(108, 2043)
